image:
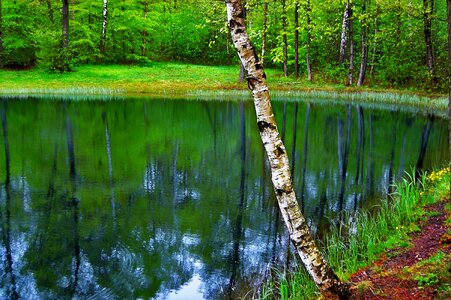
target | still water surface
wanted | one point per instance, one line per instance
(172, 199)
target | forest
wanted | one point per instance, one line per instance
(399, 43)
(115, 183)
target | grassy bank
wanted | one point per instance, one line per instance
(192, 81)
(361, 242)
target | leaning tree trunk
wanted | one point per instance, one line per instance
(344, 30)
(65, 20)
(265, 30)
(319, 270)
(428, 7)
(104, 24)
(364, 59)
(448, 5)
(284, 37)
(296, 39)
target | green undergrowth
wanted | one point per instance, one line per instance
(175, 80)
(362, 238)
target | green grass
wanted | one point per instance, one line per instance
(349, 248)
(192, 81)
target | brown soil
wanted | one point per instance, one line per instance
(387, 278)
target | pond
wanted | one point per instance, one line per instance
(172, 199)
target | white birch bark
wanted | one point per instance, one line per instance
(104, 24)
(326, 280)
(344, 29)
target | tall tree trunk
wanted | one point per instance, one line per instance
(351, 47)
(1, 35)
(428, 9)
(265, 31)
(376, 30)
(364, 59)
(296, 39)
(308, 11)
(398, 34)
(344, 32)
(50, 10)
(284, 37)
(448, 10)
(145, 32)
(326, 280)
(242, 71)
(104, 24)
(65, 20)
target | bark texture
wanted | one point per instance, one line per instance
(319, 270)
(308, 10)
(65, 21)
(104, 24)
(351, 47)
(448, 10)
(428, 8)
(296, 39)
(344, 32)
(364, 58)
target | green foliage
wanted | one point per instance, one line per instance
(139, 31)
(427, 279)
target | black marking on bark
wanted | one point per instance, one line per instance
(233, 24)
(239, 30)
(279, 151)
(280, 192)
(263, 124)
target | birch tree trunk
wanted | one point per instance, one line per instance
(351, 47)
(296, 39)
(448, 10)
(326, 280)
(428, 8)
(284, 37)
(364, 59)
(265, 31)
(104, 24)
(309, 37)
(344, 29)
(65, 24)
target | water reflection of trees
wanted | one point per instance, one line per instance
(190, 197)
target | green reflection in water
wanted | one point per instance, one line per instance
(141, 198)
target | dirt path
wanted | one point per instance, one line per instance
(423, 271)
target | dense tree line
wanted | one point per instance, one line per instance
(395, 43)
